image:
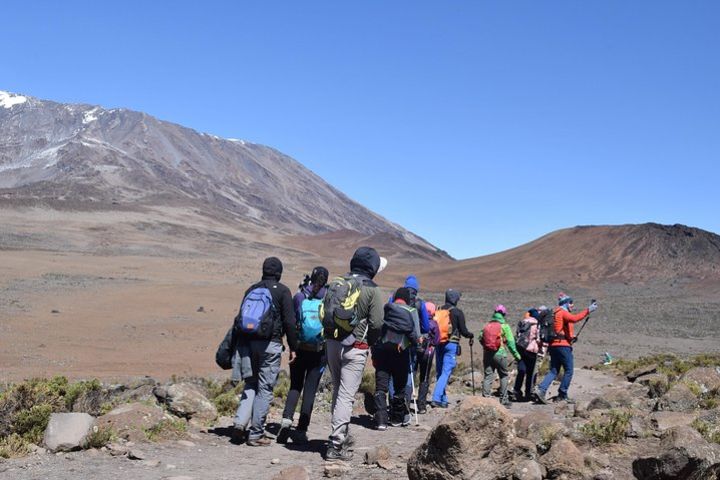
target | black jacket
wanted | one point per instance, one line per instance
(457, 317)
(284, 322)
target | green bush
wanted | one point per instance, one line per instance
(367, 385)
(710, 431)
(99, 437)
(167, 429)
(31, 423)
(75, 390)
(610, 429)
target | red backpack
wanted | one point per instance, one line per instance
(492, 336)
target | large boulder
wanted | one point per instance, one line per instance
(707, 378)
(662, 421)
(187, 401)
(683, 455)
(67, 431)
(130, 421)
(474, 440)
(678, 399)
(612, 398)
(564, 459)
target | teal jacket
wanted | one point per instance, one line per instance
(508, 338)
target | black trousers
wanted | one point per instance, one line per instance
(526, 367)
(424, 362)
(390, 365)
(305, 373)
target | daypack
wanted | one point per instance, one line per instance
(522, 334)
(398, 324)
(310, 327)
(492, 336)
(337, 311)
(442, 317)
(257, 314)
(546, 324)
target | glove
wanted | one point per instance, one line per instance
(517, 358)
(593, 306)
(471, 341)
(574, 339)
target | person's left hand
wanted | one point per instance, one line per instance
(293, 356)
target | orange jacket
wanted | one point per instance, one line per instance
(564, 321)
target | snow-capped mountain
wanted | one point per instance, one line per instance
(84, 156)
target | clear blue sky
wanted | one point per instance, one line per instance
(479, 125)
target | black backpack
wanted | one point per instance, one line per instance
(398, 325)
(546, 324)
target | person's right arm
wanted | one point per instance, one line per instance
(460, 323)
(574, 318)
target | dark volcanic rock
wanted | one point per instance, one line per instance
(684, 455)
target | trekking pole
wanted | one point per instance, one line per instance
(472, 368)
(414, 396)
(584, 323)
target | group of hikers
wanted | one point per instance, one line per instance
(338, 323)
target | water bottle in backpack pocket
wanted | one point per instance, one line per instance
(310, 328)
(257, 314)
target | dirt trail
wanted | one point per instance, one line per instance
(211, 454)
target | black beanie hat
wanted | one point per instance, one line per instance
(319, 276)
(403, 294)
(272, 268)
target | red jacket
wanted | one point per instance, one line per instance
(564, 321)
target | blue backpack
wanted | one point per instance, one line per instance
(310, 326)
(257, 313)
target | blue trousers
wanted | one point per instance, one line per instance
(560, 357)
(444, 366)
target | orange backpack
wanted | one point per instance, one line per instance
(442, 317)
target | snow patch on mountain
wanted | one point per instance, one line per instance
(90, 115)
(9, 100)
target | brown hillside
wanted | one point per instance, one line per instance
(590, 255)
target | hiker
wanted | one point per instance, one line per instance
(451, 325)
(352, 315)
(497, 339)
(391, 357)
(266, 314)
(422, 324)
(426, 351)
(527, 340)
(310, 361)
(560, 347)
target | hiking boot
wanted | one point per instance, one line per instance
(334, 453)
(506, 403)
(259, 442)
(435, 404)
(422, 410)
(566, 399)
(239, 436)
(349, 441)
(381, 428)
(540, 396)
(284, 432)
(300, 437)
(516, 396)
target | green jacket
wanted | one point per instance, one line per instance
(509, 339)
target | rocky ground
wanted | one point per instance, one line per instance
(618, 429)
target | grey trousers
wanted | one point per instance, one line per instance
(258, 391)
(493, 363)
(346, 365)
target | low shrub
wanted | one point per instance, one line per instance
(99, 437)
(31, 423)
(710, 431)
(282, 387)
(167, 429)
(609, 429)
(75, 390)
(14, 446)
(367, 385)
